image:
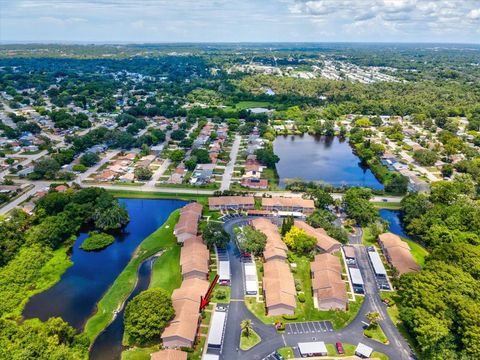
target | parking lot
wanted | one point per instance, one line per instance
(311, 327)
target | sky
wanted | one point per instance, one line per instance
(120, 21)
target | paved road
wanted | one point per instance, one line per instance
(227, 175)
(271, 340)
(108, 156)
(24, 163)
(13, 204)
(159, 172)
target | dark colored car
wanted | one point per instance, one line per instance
(339, 347)
(278, 356)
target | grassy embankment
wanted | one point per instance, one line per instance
(306, 311)
(161, 239)
(133, 194)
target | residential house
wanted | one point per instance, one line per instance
(305, 206)
(231, 203)
(325, 243)
(397, 252)
(327, 285)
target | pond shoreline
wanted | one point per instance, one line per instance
(77, 293)
(331, 160)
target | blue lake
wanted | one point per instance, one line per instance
(75, 296)
(395, 223)
(320, 158)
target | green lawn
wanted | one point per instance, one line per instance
(139, 353)
(306, 311)
(272, 176)
(387, 205)
(350, 351)
(166, 270)
(247, 342)
(348, 348)
(379, 355)
(286, 352)
(210, 186)
(133, 194)
(198, 350)
(247, 105)
(162, 238)
(418, 251)
(368, 238)
(376, 333)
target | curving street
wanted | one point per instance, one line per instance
(397, 349)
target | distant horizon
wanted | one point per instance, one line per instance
(119, 42)
(233, 21)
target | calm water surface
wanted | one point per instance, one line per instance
(319, 158)
(395, 223)
(75, 296)
(108, 345)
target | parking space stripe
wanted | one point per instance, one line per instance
(308, 324)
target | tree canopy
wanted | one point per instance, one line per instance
(147, 315)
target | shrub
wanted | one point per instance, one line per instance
(301, 298)
(97, 241)
(79, 168)
(221, 294)
(290, 317)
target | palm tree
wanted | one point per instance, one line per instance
(373, 317)
(246, 326)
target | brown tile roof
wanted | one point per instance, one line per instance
(390, 240)
(188, 223)
(184, 325)
(168, 354)
(191, 289)
(398, 253)
(324, 242)
(271, 252)
(326, 262)
(274, 246)
(403, 260)
(327, 278)
(270, 230)
(231, 200)
(278, 284)
(189, 217)
(194, 253)
(195, 263)
(194, 208)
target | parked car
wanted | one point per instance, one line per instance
(339, 347)
(278, 356)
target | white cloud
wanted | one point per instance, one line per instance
(240, 20)
(474, 14)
